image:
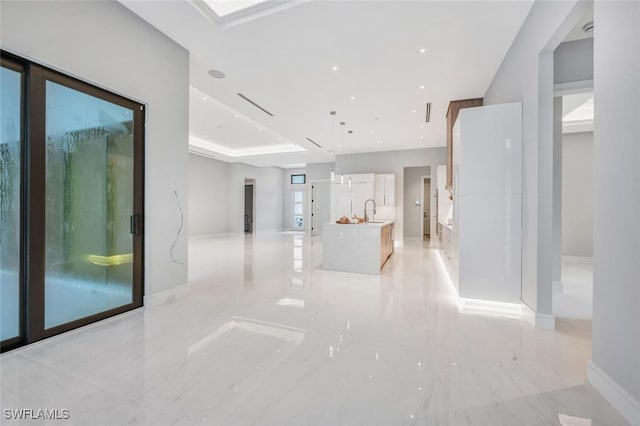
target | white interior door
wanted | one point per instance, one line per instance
(297, 210)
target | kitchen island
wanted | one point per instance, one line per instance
(362, 248)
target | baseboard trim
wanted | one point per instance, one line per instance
(209, 236)
(583, 260)
(540, 321)
(528, 315)
(166, 296)
(545, 322)
(616, 395)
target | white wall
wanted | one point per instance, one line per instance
(269, 196)
(208, 196)
(393, 162)
(319, 171)
(105, 44)
(616, 243)
(527, 76)
(413, 191)
(577, 194)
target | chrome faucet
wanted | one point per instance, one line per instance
(366, 218)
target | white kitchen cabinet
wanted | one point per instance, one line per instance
(389, 189)
(487, 216)
(361, 192)
(340, 200)
(361, 178)
(347, 200)
(385, 189)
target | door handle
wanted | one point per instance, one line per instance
(135, 224)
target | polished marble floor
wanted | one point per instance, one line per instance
(265, 337)
(573, 298)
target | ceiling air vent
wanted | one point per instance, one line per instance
(255, 104)
(313, 142)
(428, 114)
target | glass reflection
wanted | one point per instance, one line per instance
(89, 196)
(248, 260)
(10, 96)
(298, 241)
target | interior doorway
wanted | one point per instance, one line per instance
(574, 162)
(249, 205)
(426, 208)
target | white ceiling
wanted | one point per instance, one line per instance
(284, 61)
(577, 33)
(213, 126)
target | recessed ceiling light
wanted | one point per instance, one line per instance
(421, 137)
(422, 125)
(237, 115)
(423, 50)
(204, 98)
(353, 98)
(335, 68)
(373, 131)
(261, 128)
(413, 111)
(588, 27)
(422, 87)
(216, 74)
(378, 140)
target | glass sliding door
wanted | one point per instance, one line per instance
(89, 205)
(11, 82)
(71, 203)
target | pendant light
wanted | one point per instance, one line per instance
(333, 140)
(342, 123)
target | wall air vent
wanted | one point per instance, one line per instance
(428, 114)
(255, 104)
(314, 142)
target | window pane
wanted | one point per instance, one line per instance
(10, 93)
(89, 196)
(296, 179)
(298, 196)
(297, 208)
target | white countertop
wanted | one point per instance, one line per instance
(377, 223)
